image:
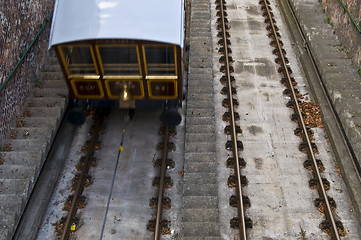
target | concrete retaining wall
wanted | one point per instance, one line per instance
(348, 34)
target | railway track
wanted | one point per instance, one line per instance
(163, 169)
(77, 200)
(234, 145)
(334, 228)
(324, 203)
(118, 202)
(160, 225)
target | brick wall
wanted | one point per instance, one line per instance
(349, 36)
(20, 20)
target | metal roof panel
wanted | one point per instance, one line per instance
(158, 20)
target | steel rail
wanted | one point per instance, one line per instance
(241, 215)
(321, 189)
(157, 232)
(80, 185)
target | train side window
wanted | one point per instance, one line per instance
(160, 60)
(79, 60)
(119, 60)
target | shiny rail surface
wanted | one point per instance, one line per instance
(241, 214)
(163, 169)
(306, 138)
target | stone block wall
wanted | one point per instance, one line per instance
(348, 34)
(20, 21)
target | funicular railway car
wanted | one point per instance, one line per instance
(124, 52)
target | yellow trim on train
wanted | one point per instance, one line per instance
(164, 96)
(73, 82)
(89, 77)
(122, 77)
(140, 81)
(162, 77)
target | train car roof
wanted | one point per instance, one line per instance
(150, 20)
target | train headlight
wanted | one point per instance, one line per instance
(126, 92)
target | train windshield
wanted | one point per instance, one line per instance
(160, 60)
(79, 60)
(119, 60)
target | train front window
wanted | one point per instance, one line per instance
(79, 60)
(160, 60)
(119, 60)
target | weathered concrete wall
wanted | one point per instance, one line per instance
(19, 23)
(348, 34)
